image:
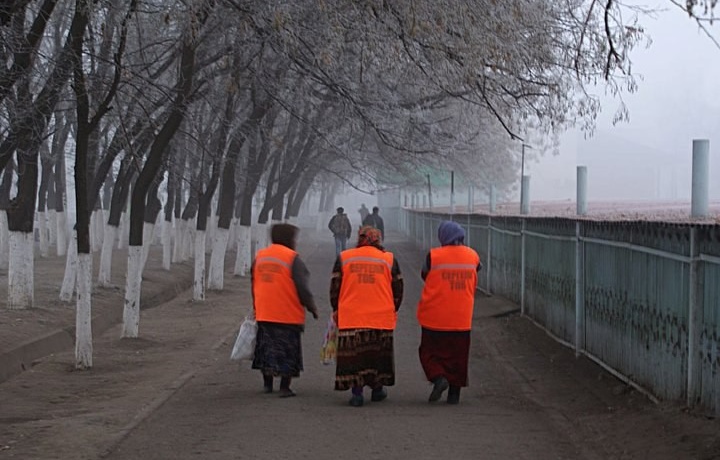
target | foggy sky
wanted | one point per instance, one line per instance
(650, 156)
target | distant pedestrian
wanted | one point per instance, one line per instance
(445, 312)
(366, 291)
(341, 229)
(363, 213)
(374, 220)
(280, 296)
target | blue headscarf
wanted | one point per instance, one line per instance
(450, 232)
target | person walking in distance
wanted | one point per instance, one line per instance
(445, 312)
(363, 213)
(280, 296)
(341, 229)
(374, 220)
(366, 291)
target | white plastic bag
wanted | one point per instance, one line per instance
(244, 348)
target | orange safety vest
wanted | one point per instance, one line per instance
(274, 291)
(449, 293)
(366, 298)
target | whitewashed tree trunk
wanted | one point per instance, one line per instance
(321, 223)
(265, 235)
(188, 242)
(292, 220)
(91, 229)
(199, 283)
(177, 247)
(124, 230)
(232, 237)
(216, 273)
(68, 285)
(158, 224)
(21, 270)
(62, 233)
(261, 237)
(105, 272)
(243, 259)
(131, 308)
(100, 219)
(167, 244)
(210, 232)
(83, 313)
(4, 240)
(42, 230)
(148, 234)
(52, 226)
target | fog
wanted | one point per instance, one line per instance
(650, 156)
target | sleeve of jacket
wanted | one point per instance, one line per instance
(300, 276)
(349, 227)
(397, 284)
(426, 267)
(335, 283)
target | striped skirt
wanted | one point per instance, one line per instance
(365, 357)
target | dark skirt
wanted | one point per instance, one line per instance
(364, 357)
(445, 354)
(278, 350)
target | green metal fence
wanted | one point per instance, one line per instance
(640, 298)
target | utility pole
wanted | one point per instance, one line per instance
(429, 192)
(452, 192)
(523, 192)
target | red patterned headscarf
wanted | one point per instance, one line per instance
(369, 236)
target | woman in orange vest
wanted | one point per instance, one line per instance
(366, 290)
(280, 297)
(445, 312)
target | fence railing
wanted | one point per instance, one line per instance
(640, 298)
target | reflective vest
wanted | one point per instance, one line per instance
(449, 293)
(366, 299)
(274, 291)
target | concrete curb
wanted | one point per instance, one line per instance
(23, 357)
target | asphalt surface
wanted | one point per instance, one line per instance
(222, 413)
(173, 393)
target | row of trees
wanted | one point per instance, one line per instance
(172, 105)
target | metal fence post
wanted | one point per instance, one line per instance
(694, 321)
(489, 254)
(492, 198)
(700, 178)
(525, 199)
(522, 269)
(581, 193)
(579, 291)
(424, 224)
(469, 231)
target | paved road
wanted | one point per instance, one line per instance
(221, 412)
(174, 394)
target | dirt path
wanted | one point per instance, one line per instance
(174, 394)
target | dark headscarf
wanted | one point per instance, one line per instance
(369, 236)
(284, 234)
(450, 232)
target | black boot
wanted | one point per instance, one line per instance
(285, 391)
(378, 394)
(453, 395)
(440, 384)
(267, 383)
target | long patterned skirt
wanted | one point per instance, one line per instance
(364, 357)
(445, 354)
(278, 350)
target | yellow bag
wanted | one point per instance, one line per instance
(328, 352)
